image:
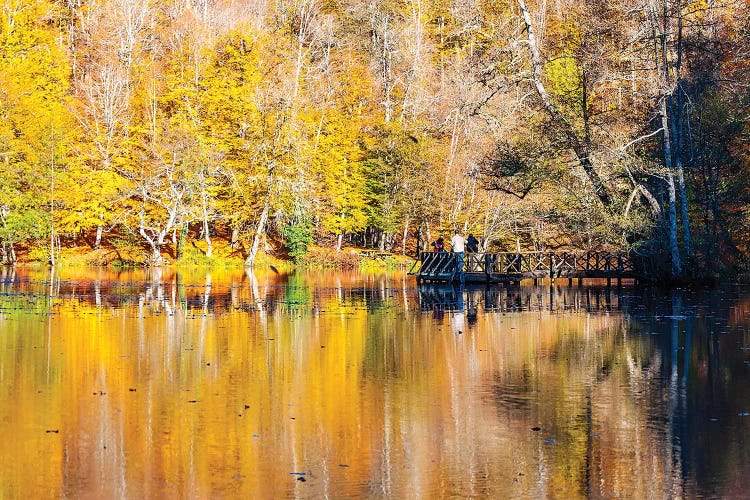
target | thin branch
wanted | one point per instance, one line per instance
(641, 138)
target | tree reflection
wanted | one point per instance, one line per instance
(182, 381)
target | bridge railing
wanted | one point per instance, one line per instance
(537, 264)
(437, 263)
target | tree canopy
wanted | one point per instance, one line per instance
(537, 125)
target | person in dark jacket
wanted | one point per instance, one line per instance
(472, 244)
(439, 244)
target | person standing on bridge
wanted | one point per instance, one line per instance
(457, 246)
(439, 244)
(472, 244)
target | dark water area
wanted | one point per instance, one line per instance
(237, 384)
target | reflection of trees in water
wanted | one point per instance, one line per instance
(630, 413)
(163, 291)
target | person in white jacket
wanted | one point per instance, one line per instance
(458, 245)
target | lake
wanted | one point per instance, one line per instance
(151, 384)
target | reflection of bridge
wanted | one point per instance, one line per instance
(507, 267)
(452, 297)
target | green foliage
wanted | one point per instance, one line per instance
(22, 226)
(563, 75)
(297, 294)
(298, 237)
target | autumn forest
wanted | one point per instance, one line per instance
(272, 127)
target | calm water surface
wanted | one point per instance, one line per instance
(231, 384)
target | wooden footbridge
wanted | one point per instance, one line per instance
(507, 267)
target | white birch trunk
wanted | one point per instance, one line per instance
(250, 260)
(206, 235)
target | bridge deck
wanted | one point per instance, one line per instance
(444, 267)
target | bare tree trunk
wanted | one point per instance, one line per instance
(339, 241)
(156, 259)
(687, 239)
(250, 260)
(206, 233)
(580, 148)
(405, 235)
(684, 209)
(99, 231)
(678, 140)
(671, 191)
(9, 253)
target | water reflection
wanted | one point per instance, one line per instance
(513, 298)
(241, 384)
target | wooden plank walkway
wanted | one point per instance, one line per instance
(508, 267)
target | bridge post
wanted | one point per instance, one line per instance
(551, 268)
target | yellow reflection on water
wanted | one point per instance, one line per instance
(258, 385)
